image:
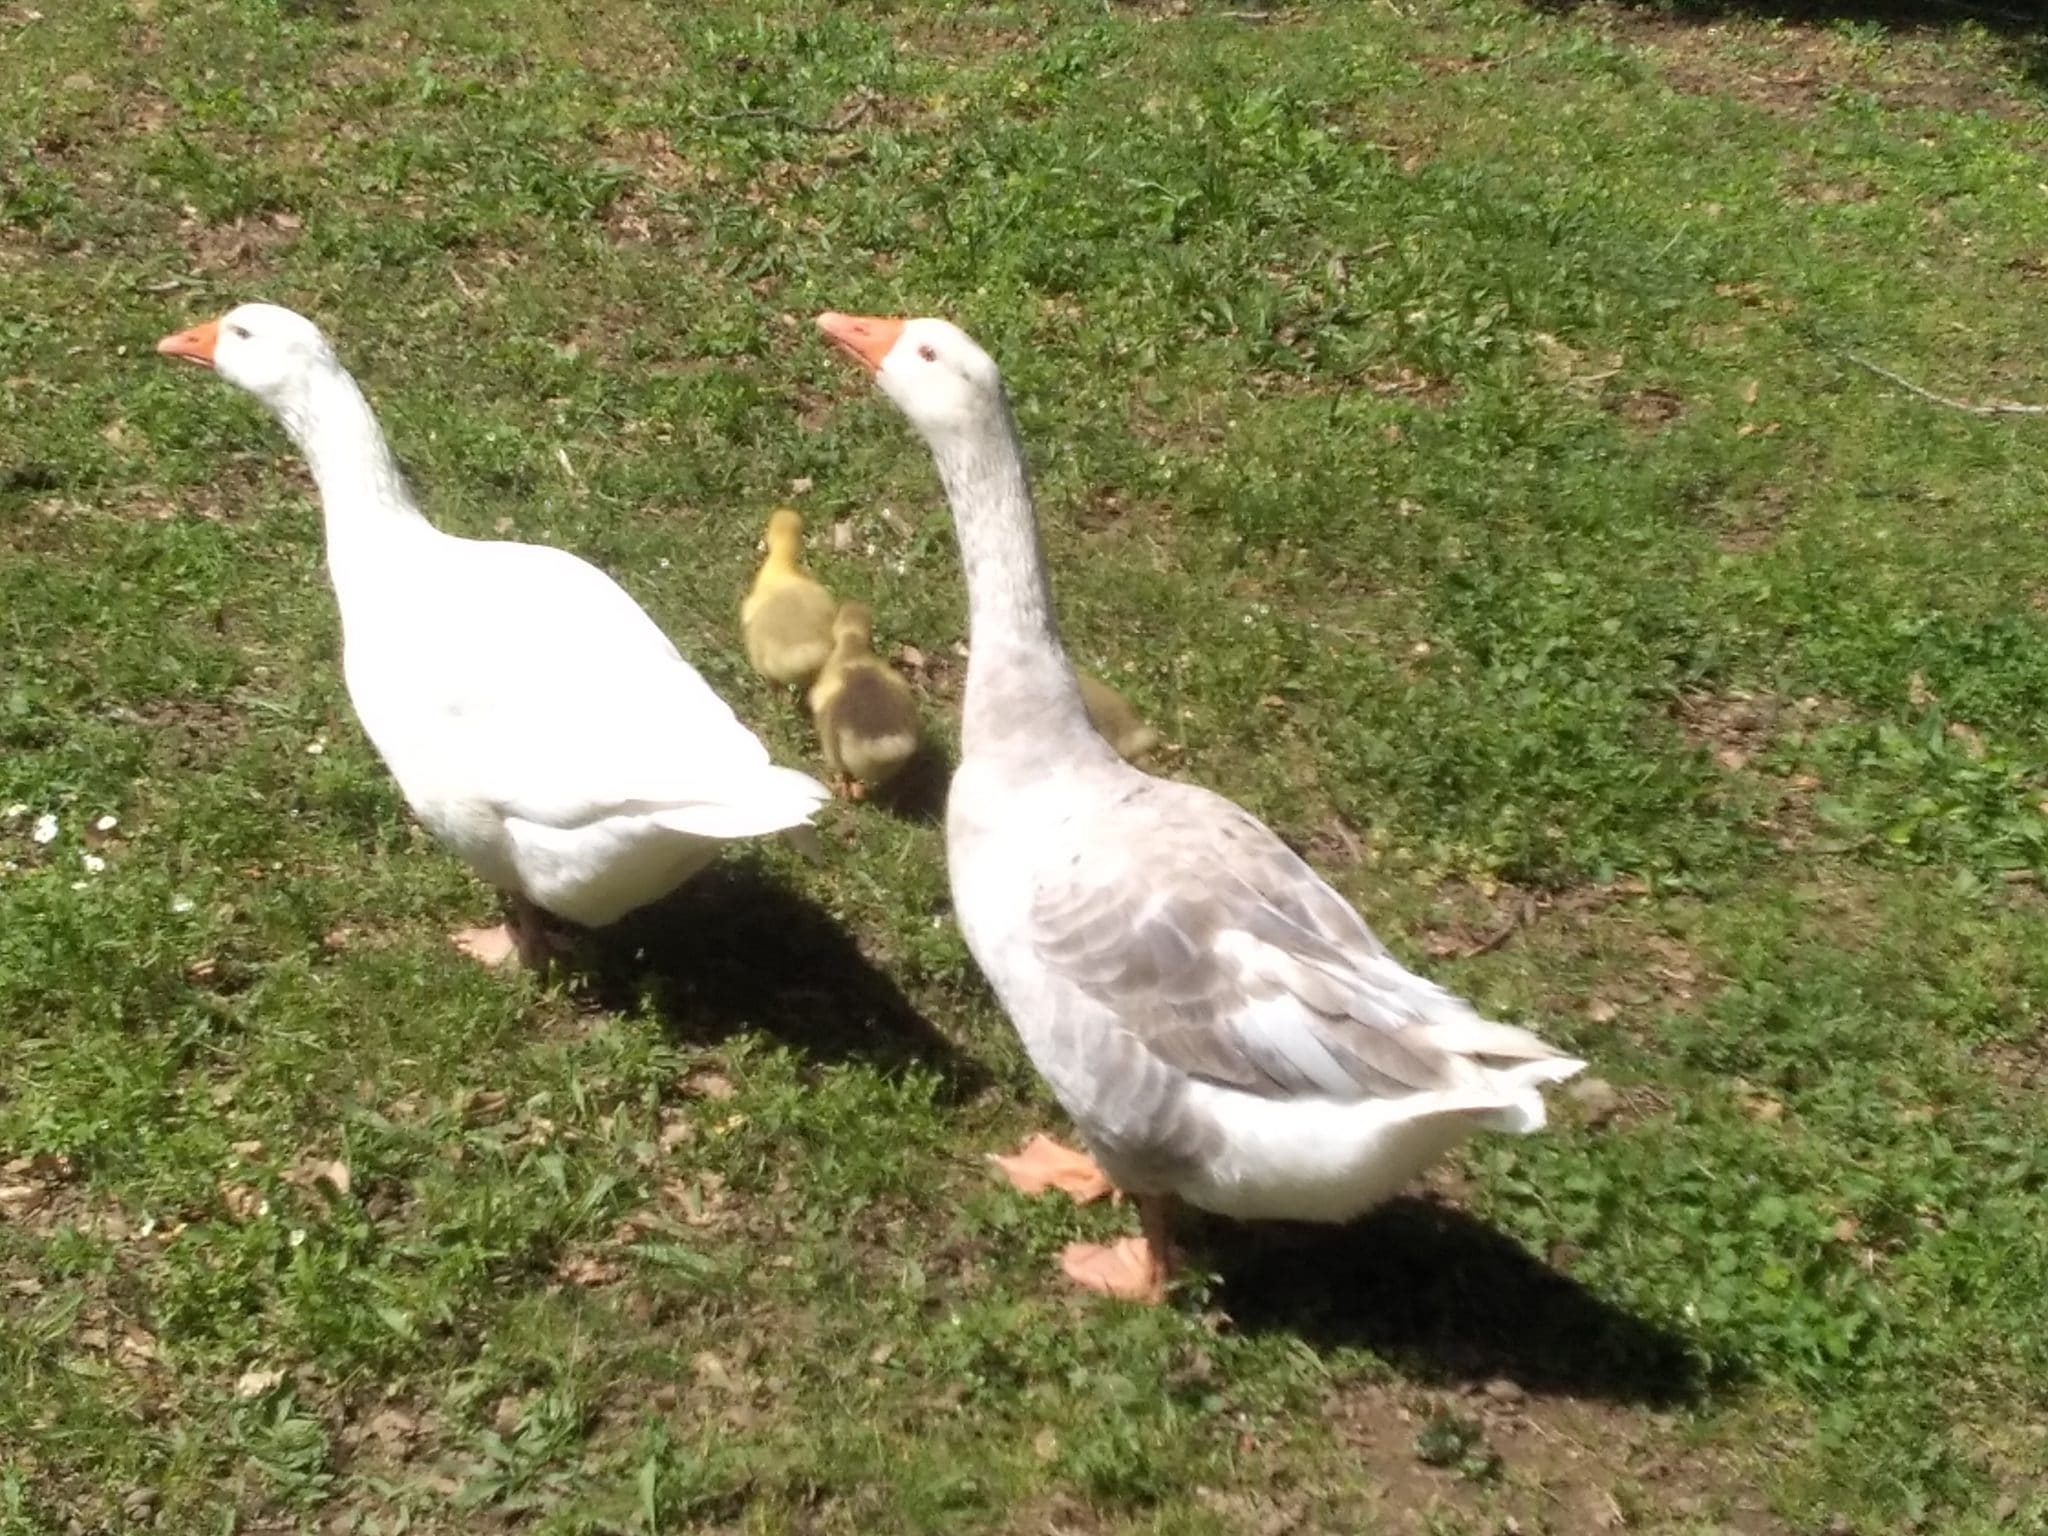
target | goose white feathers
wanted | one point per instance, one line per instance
(537, 721)
(1221, 1025)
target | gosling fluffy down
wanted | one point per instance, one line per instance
(1114, 719)
(866, 714)
(786, 618)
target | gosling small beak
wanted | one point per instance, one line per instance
(195, 345)
(867, 339)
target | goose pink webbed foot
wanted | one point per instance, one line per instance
(490, 947)
(1042, 1164)
(1131, 1268)
(523, 934)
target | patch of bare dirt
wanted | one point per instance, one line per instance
(777, 183)
(224, 501)
(813, 407)
(1735, 727)
(37, 1193)
(474, 269)
(1525, 1461)
(1337, 843)
(648, 209)
(361, 64)
(1363, 124)
(1738, 729)
(653, 158)
(1104, 507)
(959, 37)
(1759, 522)
(938, 673)
(882, 109)
(1580, 373)
(1739, 726)
(1475, 62)
(190, 733)
(144, 113)
(628, 46)
(1822, 192)
(1648, 409)
(1202, 424)
(382, 1435)
(105, 1332)
(1671, 977)
(1476, 919)
(1391, 383)
(2020, 1067)
(1641, 968)
(1519, 1400)
(242, 247)
(1407, 384)
(1621, 968)
(18, 246)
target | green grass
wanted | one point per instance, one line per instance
(1444, 429)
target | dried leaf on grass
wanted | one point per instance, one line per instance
(319, 1173)
(257, 1382)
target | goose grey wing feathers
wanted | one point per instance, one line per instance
(1230, 959)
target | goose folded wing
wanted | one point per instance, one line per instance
(1231, 960)
(566, 743)
(702, 773)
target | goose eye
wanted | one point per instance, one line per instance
(928, 354)
(241, 331)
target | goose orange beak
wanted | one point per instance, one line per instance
(865, 338)
(196, 345)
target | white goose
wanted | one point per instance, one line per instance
(538, 721)
(1221, 1025)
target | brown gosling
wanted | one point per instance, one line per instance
(866, 714)
(1115, 721)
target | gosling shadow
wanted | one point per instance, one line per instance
(1448, 1299)
(736, 949)
(917, 792)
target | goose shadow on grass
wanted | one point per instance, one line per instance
(2009, 17)
(736, 949)
(1445, 1299)
(2020, 26)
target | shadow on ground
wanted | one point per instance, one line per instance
(1446, 1299)
(918, 792)
(2005, 16)
(2022, 24)
(736, 949)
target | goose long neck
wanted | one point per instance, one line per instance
(1019, 682)
(363, 495)
(982, 469)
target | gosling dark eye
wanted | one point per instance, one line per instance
(928, 354)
